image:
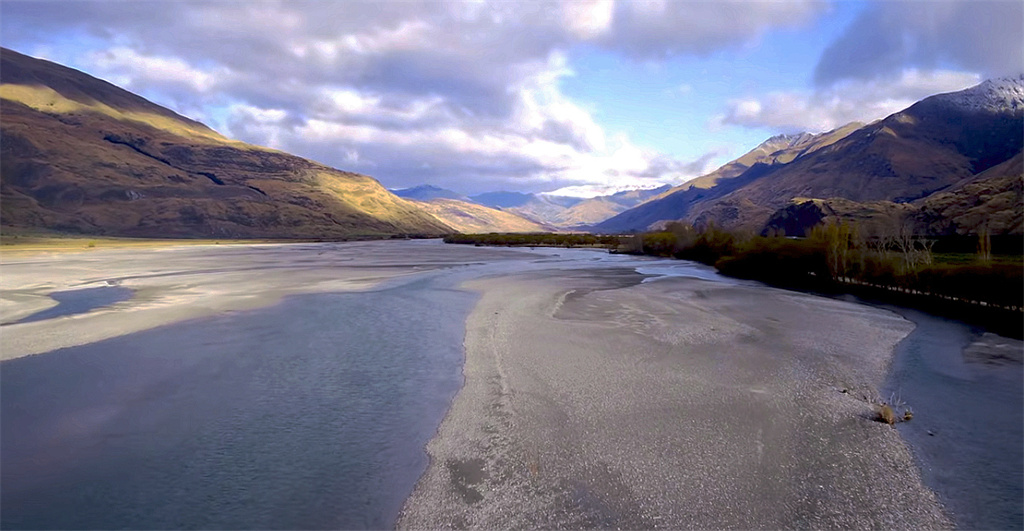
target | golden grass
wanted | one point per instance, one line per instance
(471, 218)
(366, 195)
(47, 100)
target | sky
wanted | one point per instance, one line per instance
(576, 98)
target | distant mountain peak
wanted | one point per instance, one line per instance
(426, 192)
(775, 144)
(993, 95)
(787, 140)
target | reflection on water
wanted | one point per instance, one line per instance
(311, 414)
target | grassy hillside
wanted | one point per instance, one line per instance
(472, 218)
(80, 155)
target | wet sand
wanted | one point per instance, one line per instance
(591, 400)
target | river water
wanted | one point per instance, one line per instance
(313, 413)
(967, 433)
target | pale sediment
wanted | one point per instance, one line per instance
(593, 401)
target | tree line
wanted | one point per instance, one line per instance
(893, 263)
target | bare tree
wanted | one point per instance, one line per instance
(836, 238)
(900, 237)
(914, 250)
(984, 244)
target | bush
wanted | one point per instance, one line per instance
(796, 263)
(995, 284)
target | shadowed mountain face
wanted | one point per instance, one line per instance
(80, 155)
(933, 146)
(992, 200)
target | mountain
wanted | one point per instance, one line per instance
(991, 200)
(473, 218)
(932, 146)
(539, 208)
(563, 211)
(802, 214)
(80, 155)
(677, 202)
(426, 192)
(503, 199)
(597, 209)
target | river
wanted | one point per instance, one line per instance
(313, 412)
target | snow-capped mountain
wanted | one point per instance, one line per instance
(936, 145)
(1004, 94)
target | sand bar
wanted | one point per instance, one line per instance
(593, 401)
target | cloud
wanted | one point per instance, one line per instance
(826, 108)
(658, 29)
(136, 70)
(983, 36)
(462, 94)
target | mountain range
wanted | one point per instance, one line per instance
(934, 163)
(80, 155)
(546, 211)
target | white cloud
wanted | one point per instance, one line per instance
(849, 101)
(266, 127)
(587, 19)
(463, 94)
(138, 71)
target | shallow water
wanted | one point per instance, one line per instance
(968, 423)
(311, 414)
(73, 302)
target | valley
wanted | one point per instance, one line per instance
(503, 265)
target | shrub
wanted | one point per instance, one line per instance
(886, 414)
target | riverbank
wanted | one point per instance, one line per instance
(592, 400)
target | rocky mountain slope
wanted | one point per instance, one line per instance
(933, 146)
(80, 155)
(679, 201)
(992, 200)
